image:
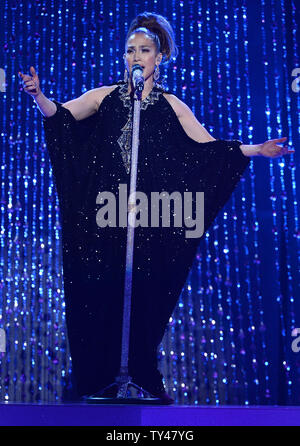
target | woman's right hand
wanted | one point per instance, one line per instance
(31, 84)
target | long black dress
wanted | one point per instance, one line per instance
(92, 156)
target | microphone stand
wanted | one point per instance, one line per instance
(123, 390)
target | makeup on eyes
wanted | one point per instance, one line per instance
(141, 46)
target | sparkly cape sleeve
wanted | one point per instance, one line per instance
(65, 138)
(225, 166)
(214, 167)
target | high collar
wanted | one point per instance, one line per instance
(151, 98)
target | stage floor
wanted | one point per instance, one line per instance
(81, 414)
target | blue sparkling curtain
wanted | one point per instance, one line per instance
(230, 338)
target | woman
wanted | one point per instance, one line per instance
(89, 143)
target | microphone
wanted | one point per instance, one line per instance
(137, 77)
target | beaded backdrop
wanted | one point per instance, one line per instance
(230, 339)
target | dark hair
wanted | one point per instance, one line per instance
(159, 29)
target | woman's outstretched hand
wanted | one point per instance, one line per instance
(31, 84)
(270, 149)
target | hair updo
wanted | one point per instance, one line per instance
(159, 30)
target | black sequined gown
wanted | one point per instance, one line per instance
(92, 156)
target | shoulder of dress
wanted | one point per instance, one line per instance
(173, 101)
(180, 107)
(113, 85)
(104, 91)
(170, 96)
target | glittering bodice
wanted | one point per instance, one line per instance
(125, 140)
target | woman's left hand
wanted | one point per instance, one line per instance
(270, 149)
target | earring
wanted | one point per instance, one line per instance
(156, 73)
(126, 75)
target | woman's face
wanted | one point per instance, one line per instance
(140, 49)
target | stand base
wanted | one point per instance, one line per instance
(122, 391)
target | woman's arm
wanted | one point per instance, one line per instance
(81, 108)
(31, 86)
(86, 105)
(268, 149)
(189, 122)
(46, 107)
(193, 128)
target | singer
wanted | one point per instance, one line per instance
(89, 143)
